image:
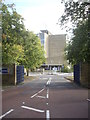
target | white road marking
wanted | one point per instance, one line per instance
(49, 81)
(50, 78)
(47, 93)
(47, 96)
(88, 100)
(68, 80)
(29, 108)
(47, 114)
(41, 90)
(34, 95)
(6, 113)
(37, 93)
(2, 90)
(23, 102)
(45, 78)
(46, 103)
(41, 97)
(47, 90)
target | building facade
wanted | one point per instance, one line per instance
(54, 46)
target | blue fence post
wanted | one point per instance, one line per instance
(77, 73)
(20, 74)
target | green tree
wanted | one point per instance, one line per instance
(12, 26)
(12, 54)
(19, 45)
(75, 12)
(34, 53)
(77, 49)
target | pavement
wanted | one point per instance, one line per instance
(46, 97)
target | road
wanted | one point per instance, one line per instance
(48, 96)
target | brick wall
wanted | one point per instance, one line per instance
(85, 75)
(10, 77)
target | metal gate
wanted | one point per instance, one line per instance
(77, 73)
(20, 74)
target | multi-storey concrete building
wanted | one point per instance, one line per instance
(43, 35)
(54, 46)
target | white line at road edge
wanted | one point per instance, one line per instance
(47, 114)
(6, 113)
(29, 108)
(37, 93)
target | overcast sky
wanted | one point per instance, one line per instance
(40, 14)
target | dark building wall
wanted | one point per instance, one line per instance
(85, 75)
(9, 74)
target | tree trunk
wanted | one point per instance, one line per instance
(27, 72)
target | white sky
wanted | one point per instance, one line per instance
(40, 14)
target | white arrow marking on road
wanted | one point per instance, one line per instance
(29, 108)
(47, 114)
(48, 82)
(6, 113)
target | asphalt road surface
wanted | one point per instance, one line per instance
(49, 96)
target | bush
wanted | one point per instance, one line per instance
(65, 69)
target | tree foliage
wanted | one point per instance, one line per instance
(75, 12)
(34, 52)
(78, 49)
(12, 49)
(19, 45)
